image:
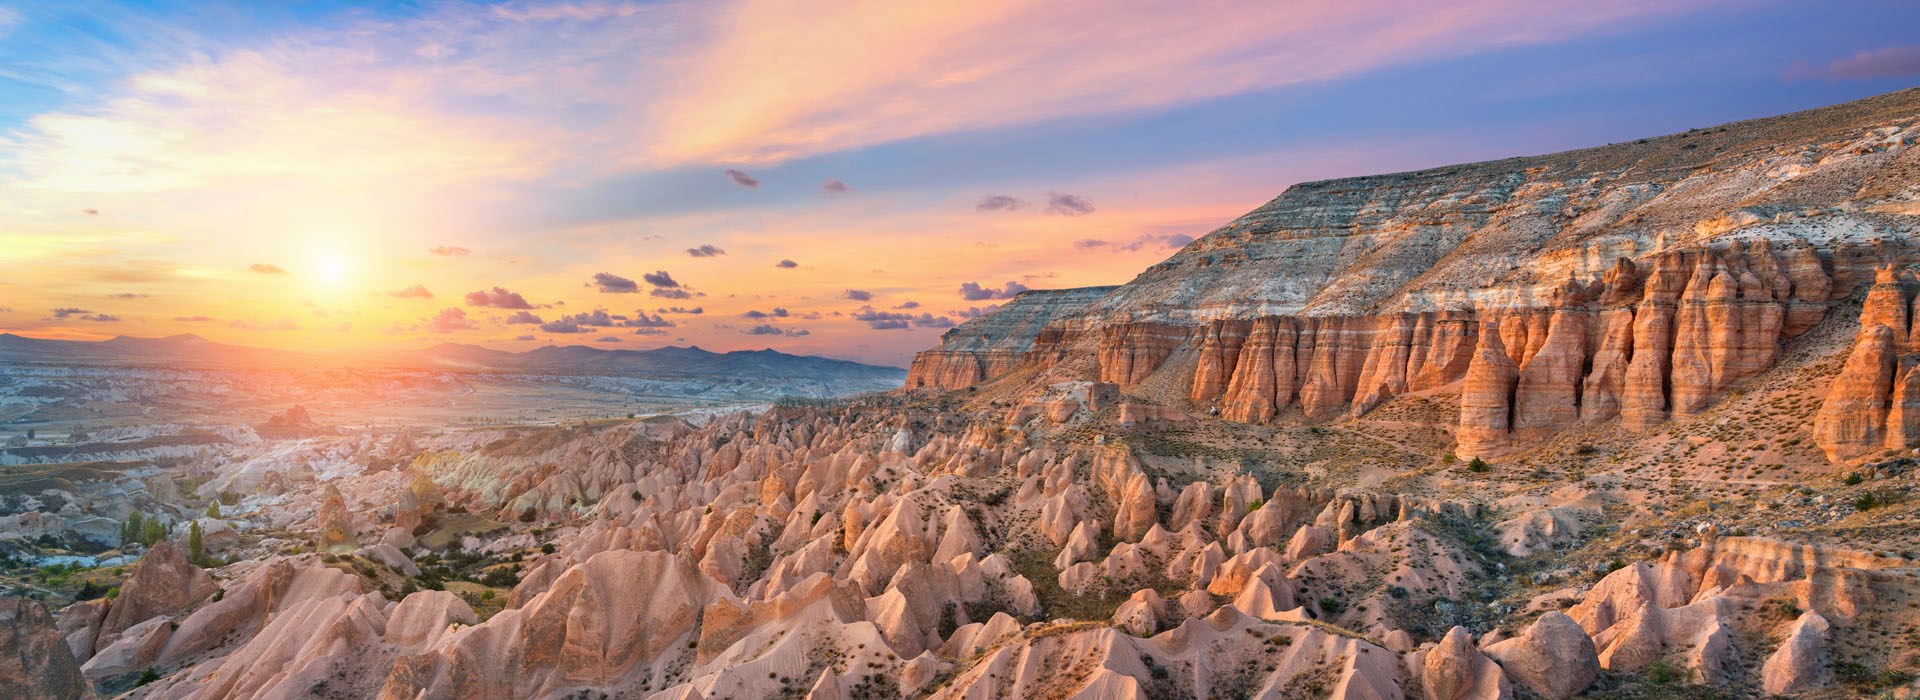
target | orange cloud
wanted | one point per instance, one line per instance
(862, 72)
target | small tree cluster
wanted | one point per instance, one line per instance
(142, 530)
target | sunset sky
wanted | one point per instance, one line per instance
(840, 178)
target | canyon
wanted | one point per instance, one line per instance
(1635, 421)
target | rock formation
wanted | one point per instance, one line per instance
(34, 660)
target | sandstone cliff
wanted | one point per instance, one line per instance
(1637, 282)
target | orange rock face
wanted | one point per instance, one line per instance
(1851, 420)
(1130, 352)
(1486, 414)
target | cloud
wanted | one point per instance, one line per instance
(522, 318)
(1068, 204)
(499, 298)
(84, 315)
(786, 264)
(1887, 62)
(742, 179)
(284, 324)
(1000, 202)
(192, 319)
(972, 291)
(697, 310)
(769, 329)
(564, 325)
(908, 305)
(523, 337)
(665, 293)
(775, 87)
(660, 278)
(973, 311)
(266, 269)
(1149, 241)
(832, 187)
(90, 211)
(413, 292)
(610, 339)
(449, 320)
(926, 320)
(450, 251)
(127, 295)
(858, 295)
(589, 321)
(705, 251)
(642, 320)
(882, 320)
(777, 312)
(614, 284)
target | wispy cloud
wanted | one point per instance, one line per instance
(872, 71)
(742, 179)
(1887, 62)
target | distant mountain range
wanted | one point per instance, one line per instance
(195, 351)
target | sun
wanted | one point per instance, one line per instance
(332, 268)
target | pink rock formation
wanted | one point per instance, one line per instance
(1486, 412)
(1456, 670)
(162, 583)
(1853, 416)
(34, 660)
(1554, 658)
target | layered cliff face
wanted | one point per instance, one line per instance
(992, 345)
(1635, 282)
(1874, 403)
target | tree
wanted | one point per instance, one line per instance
(152, 532)
(213, 510)
(196, 547)
(133, 529)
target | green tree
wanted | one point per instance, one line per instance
(133, 529)
(213, 510)
(152, 532)
(196, 547)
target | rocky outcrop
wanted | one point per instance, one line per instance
(1486, 399)
(1262, 383)
(1130, 352)
(1554, 658)
(163, 582)
(1800, 662)
(1853, 417)
(1639, 281)
(994, 344)
(1220, 345)
(34, 659)
(1455, 669)
(333, 524)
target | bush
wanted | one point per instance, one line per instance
(1663, 673)
(1875, 499)
(1477, 465)
(1332, 606)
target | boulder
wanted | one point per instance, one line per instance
(1554, 657)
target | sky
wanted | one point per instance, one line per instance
(845, 178)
